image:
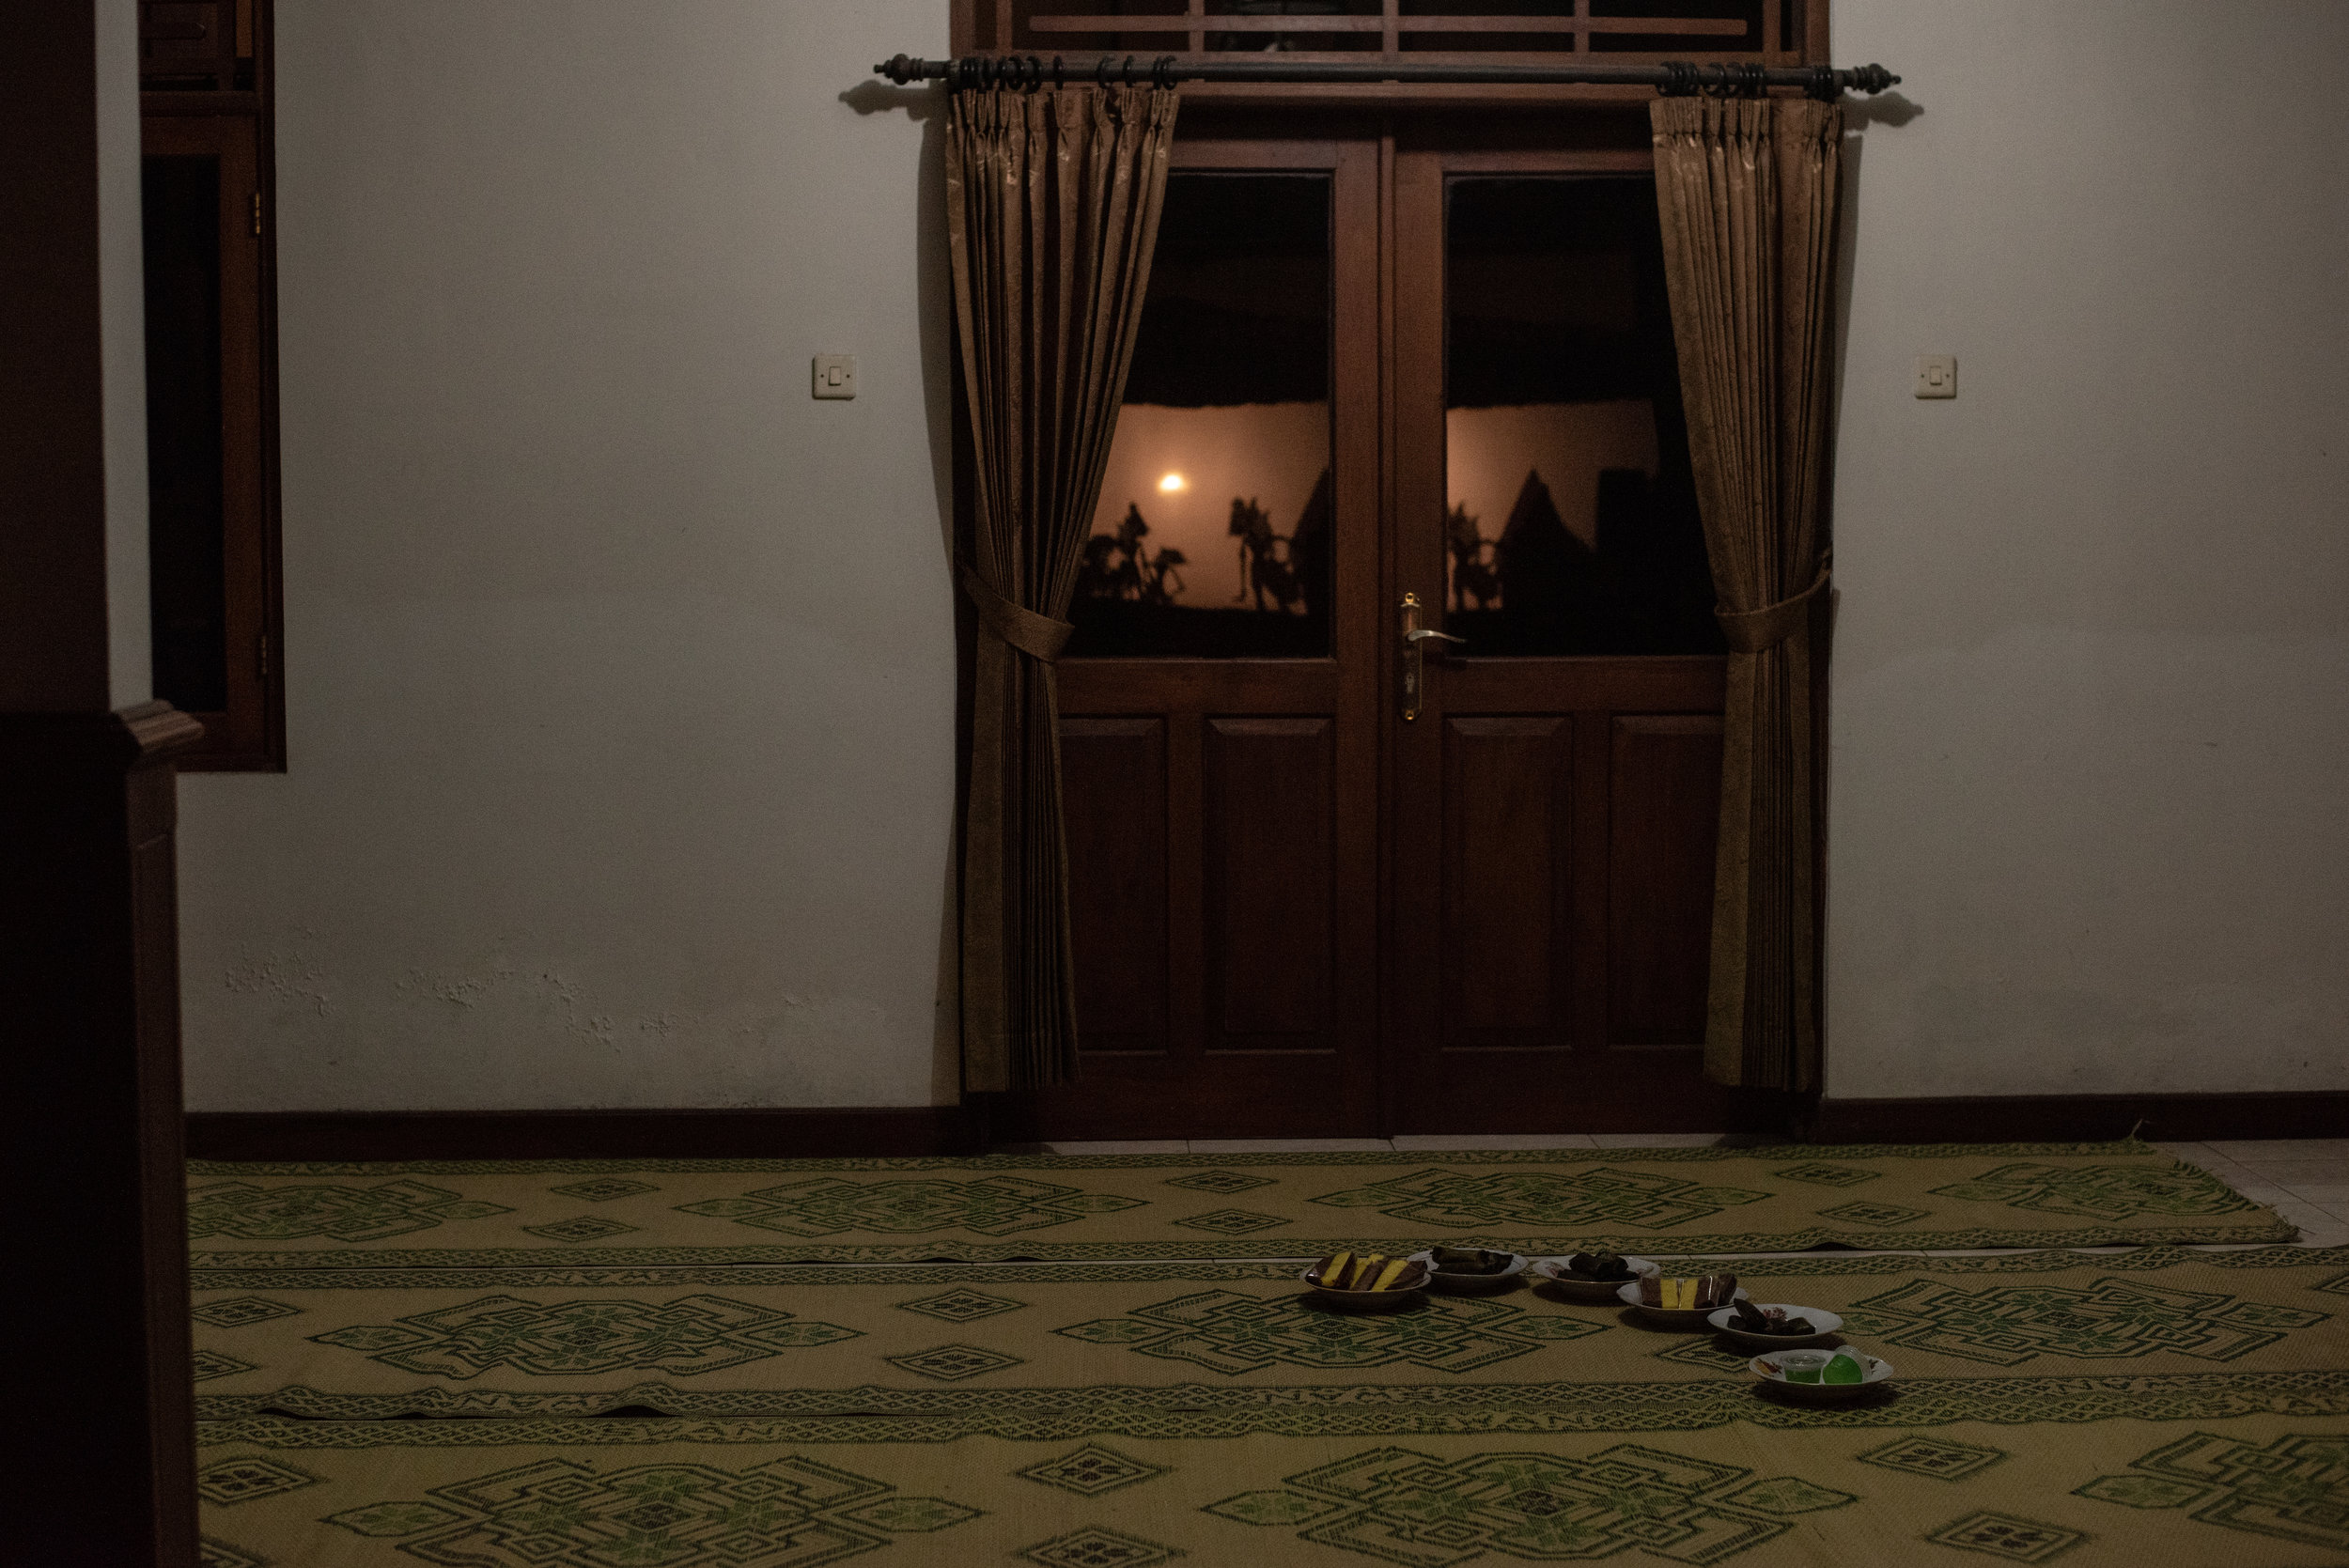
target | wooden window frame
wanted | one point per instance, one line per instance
(211, 95)
(1793, 32)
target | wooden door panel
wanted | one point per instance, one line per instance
(1664, 806)
(1508, 838)
(1244, 1001)
(1271, 865)
(1555, 807)
(1114, 775)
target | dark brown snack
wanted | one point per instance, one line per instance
(1602, 1267)
(1769, 1320)
(1468, 1260)
(1716, 1290)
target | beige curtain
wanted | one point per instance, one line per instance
(1747, 190)
(1051, 214)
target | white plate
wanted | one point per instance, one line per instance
(1879, 1372)
(1472, 1283)
(1691, 1318)
(1366, 1300)
(1587, 1290)
(1725, 1321)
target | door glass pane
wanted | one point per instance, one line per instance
(1572, 524)
(185, 506)
(1214, 532)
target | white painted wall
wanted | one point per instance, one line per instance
(619, 670)
(2091, 665)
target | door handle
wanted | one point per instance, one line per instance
(1415, 637)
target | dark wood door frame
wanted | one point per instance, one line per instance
(1148, 725)
(1200, 741)
(89, 1051)
(1563, 749)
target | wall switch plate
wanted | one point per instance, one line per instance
(835, 375)
(1937, 375)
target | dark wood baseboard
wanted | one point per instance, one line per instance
(2044, 1118)
(770, 1134)
(880, 1131)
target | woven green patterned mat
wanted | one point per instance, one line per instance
(1192, 1348)
(2260, 1491)
(2160, 1406)
(1132, 1207)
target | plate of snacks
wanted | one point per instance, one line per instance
(1591, 1276)
(1367, 1281)
(1773, 1325)
(1680, 1303)
(1821, 1376)
(1470, 1270)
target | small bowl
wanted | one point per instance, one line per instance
(1471, 1284)
(1393, 1300)
(1694, 1319)
(1589, 1290)
(1768, 1367)
(1725, 1323)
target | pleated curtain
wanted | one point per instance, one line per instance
(1746, 190)
(1053, 199)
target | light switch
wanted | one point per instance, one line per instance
(835, 375)
(1937, 375)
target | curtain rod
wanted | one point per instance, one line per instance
(1673, 78)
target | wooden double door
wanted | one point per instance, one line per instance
(1312, 893)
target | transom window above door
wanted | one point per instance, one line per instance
(1773, 32)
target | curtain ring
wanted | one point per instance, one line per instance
(1100, 73)
(1056, 75)
(1163, 72)
(1129, 70)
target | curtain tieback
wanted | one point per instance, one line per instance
(1037, 636)
(1752, 630)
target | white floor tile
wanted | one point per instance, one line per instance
(1432, 1142)
(2267, 1151)
(2292, 1172)
(2332, 1196)
(1287, 1145)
